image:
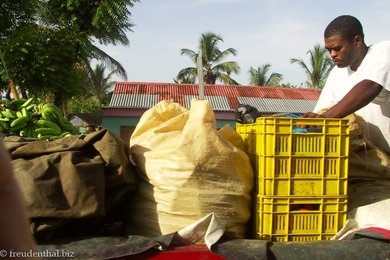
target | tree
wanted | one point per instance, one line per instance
(15, 13)
(100, 85)
(51, 54)
(186, 79)
(82, 104)
(319, 68)
(42, 61)
(259, 77)
(213, 67)
(107, 21)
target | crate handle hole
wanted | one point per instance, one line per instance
(304, 207)
(307, 129)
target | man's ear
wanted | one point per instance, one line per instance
(357, 41)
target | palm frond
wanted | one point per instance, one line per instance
(109, 61)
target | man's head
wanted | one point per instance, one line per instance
(346, 26)
(344, 39)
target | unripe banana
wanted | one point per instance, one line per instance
(65, 134)
(46, 137)
(48, 124)
(24, 112)
(31, 107)
(9, 113)
(56, 112)
(27, 102)
(19, 114)
(47, 131)
(18, 123)
(54, 137)
(23, 132)
(18, 102)
(48, 116)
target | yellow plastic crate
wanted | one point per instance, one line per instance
(285, 219)
(290, 163)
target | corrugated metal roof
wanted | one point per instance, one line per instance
(221, 97)
(218, 103)
(133, 100)
(173, 89)
(274, 105)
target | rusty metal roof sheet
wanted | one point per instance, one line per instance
(221, 97)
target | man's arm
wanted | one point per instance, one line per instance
(359, 96)
(14, 222)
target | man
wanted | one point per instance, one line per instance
(360, 81)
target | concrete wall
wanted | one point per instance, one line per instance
(113, 123)
(222, 123)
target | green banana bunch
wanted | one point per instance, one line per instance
(52, 113)
(43, 123)
(27, 118)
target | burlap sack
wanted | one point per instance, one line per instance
(368, 182)
(188, 170)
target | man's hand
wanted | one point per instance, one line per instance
(312, 115)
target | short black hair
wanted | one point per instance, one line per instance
(345, 25)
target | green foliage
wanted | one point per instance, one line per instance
(15, 14)
(84, 104)
(106, 20)
(212, 60)
(259, 77)
(289, 85)
(100, 85)
(47, 45)
(319, 68)
(186, 79)
(43, 61)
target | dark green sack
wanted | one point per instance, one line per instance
(74, 185)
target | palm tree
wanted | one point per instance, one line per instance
(319, 68)
(100, 85)
(99, 54)
(186, 79)
(115, 22)
(213, 67)
(259, 77)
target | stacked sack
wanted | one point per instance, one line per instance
(188, 169)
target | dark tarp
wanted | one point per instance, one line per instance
(74, 186)
(238, 249)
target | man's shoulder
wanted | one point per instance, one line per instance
(381, 45)
(379, 51)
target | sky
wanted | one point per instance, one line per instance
(262, 31)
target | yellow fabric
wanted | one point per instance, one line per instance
(188, 170)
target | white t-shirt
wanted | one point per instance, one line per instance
(376, 67)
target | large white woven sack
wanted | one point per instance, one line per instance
(189, 169)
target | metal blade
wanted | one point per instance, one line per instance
(200, 76)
